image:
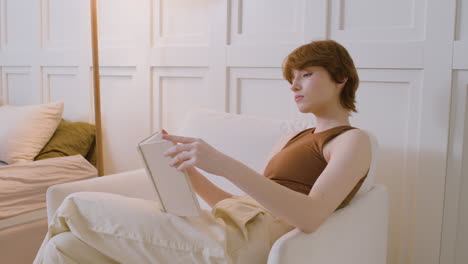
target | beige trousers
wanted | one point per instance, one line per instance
(96, 227)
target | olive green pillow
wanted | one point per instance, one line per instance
(92, 155)
(70, 138)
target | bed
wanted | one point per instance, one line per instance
(38, 149)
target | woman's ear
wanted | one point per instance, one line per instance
(342, 83)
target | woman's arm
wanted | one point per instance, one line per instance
(210, 193)
(349, 161)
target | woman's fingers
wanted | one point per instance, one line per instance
(178, 159)
(185, 161)
(195, 152)
(172, 151)
(186, 164)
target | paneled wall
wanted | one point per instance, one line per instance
(159, 58)
(455, 227)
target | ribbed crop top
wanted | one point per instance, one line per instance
(300, 162)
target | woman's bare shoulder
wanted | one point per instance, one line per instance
(356, 137)
(347, 138)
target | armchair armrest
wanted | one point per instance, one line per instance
(354, 234)
(131, 183)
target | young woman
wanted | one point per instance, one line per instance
(317, 171)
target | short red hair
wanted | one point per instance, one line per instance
(332, 56)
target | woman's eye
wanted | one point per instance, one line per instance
(307, 74)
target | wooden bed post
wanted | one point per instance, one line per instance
(97, 90)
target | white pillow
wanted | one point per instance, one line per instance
(25, 130)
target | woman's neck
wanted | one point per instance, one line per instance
(331, 119)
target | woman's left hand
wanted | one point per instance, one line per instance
(195, 152)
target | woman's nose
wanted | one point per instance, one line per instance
(295, 85)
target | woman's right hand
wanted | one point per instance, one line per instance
(190, 171)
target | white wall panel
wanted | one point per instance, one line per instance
(121, 23)
(3, 14)
(61, 23)
(388, 106)
(460, 55)
(261, 92)
(377, 19)
(261, 56)
(425, 245)
(174, 91)
(455, 235)
(460, 46)
(177, 56)
(181, 22)
(270, 93)
(62, 84)
(461, 27)
(20, 27)
(403, 55)
(18, 88)
(266, 22)
(124, 118)
(461, 252)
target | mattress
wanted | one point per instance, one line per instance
(24, 185)
(19, 244)
(21, 236)
(23, 218)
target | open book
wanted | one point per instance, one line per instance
(173, 187)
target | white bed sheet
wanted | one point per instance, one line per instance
(24, 185)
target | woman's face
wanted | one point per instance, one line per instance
(314, 90)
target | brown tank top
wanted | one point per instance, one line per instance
(300, 162)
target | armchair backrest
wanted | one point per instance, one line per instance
(369, 181)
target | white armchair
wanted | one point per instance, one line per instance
(354, 234)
